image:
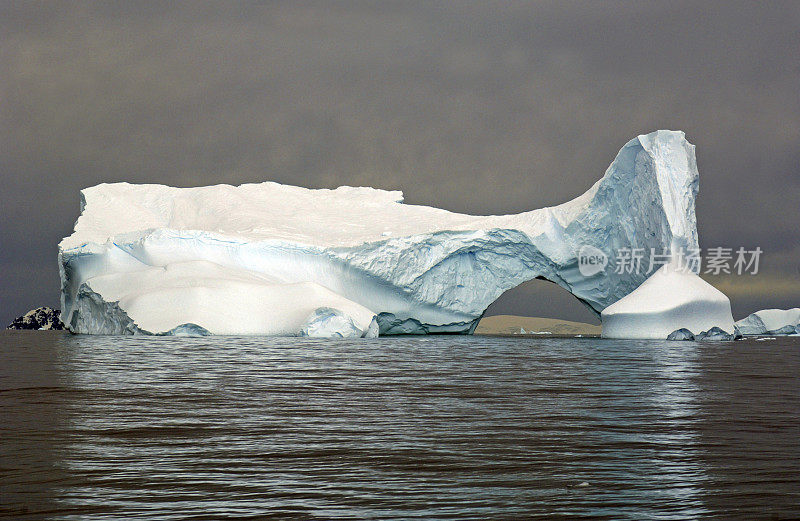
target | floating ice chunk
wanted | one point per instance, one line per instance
(681, 334)
(785, 330)
(187, 330)
(327, 322)
(771, 321)
(715, 334)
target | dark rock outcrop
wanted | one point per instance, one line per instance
(43, 318)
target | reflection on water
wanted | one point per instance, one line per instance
(675, 395)
(427, 428)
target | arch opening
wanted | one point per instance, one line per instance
(537, 306)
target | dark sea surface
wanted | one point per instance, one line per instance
(447, 427)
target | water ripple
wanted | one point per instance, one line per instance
(397, 428)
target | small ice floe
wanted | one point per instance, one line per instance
(582, 484)
(765, 338)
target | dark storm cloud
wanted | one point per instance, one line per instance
(475, 107)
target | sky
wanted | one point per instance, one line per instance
(477, 107)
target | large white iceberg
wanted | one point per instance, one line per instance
(264, 258)
(673, 298)
(771, 321)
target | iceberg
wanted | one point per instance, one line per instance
(272, 259)
(771, 322)
(672, 299)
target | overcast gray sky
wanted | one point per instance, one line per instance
(478, 107)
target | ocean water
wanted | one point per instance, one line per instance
(447, 427)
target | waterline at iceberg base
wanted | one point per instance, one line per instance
(272, 259)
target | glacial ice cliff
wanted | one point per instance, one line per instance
(275, 259)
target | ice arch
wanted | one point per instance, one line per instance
(541, 299)
(252, 259)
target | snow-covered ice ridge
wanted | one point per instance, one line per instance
(283, 260)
